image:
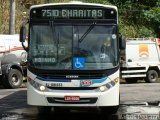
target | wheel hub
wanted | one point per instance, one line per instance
(15, 79)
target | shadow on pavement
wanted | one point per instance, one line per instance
(14, 106)
(16, 100)
(76, 116)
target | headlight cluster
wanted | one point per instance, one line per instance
(36, 85)
(103, 88)
(109, 85)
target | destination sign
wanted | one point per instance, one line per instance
(73, 12)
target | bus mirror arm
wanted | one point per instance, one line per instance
(23, 33)
(122, 42)
(24, 46)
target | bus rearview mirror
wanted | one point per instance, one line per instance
(22, 33)
(122, 42)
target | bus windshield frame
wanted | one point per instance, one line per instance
(79, 32)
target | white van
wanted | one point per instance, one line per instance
(141, 60)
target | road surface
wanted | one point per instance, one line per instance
(138, 101)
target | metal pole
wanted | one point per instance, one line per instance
(12, 17)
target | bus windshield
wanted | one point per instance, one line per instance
(59, 47)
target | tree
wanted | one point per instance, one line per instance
(12, 17)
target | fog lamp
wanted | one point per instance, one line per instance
(102, 88)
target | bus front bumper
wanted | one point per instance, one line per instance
(92, 98)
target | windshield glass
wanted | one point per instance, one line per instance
(86, 47)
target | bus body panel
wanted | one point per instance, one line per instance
(71, 3)
(100, 92)
(108, 98)
(104, 99)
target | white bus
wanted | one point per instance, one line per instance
(73, 56)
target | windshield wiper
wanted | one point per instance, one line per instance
(51, 23)
(87, 32)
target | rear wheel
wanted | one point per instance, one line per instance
(152, 76)
(14, 79)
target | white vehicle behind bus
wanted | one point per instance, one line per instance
(141, 60)
(12, 59)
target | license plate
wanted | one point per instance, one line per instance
(71, 98)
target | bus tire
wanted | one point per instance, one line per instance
(60, 110)
(131, 80)
(13, 80)
(152, 76)
(109, 110)
(44, 110)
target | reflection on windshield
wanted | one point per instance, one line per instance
(98, 47)
(49, 47)
(73, 47)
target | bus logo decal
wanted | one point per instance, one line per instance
(86, 82)
(72, 76)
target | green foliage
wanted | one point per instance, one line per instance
(145, 32)
(135, 30)
(139, 15)
(137, 18)
(152, 15)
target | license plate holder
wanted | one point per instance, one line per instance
(71, 98)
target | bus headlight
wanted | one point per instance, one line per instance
(109, 85)
(36, 85)
(102, 88)
(42, 88)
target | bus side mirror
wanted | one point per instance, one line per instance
(122, 42)
(23, 34)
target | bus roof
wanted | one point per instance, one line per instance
(74, 3)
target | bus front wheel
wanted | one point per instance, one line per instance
(44, 109)
(109, 110)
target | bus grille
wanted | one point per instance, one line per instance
(82, 100)
(80, 76)
(72, 88)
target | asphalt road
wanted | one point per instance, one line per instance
(136, 99)
(140, 92)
